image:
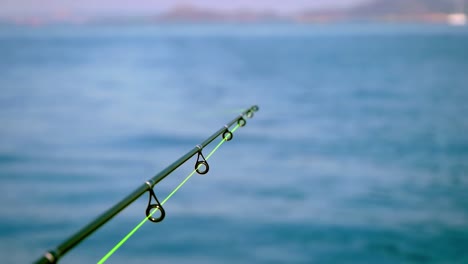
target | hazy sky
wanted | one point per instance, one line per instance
(130, 7)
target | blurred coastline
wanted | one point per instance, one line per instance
(376, 11)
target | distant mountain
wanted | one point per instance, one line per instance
(388, 10)
(404, 7)
(431, 11)
(373, 10)
(189, 13)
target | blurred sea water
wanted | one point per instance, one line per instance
(359, 153)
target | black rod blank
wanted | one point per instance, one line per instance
(54, 255)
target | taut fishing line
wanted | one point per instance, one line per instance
(201, 167)
(118, 245)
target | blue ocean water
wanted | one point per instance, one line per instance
(359, 153)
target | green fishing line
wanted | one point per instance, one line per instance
(112, 251)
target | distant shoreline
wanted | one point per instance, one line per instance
(239, 23)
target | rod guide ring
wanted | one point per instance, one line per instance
(156, 205)
(241, 122)
(201, 166)
(227, 135)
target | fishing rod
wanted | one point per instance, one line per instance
(201, 167)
